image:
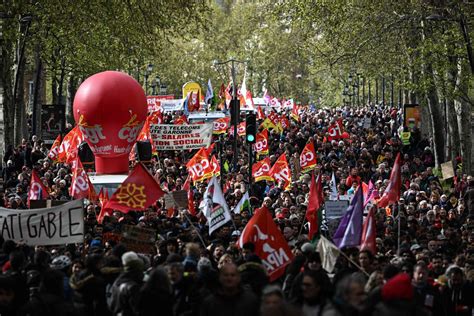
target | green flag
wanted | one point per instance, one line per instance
(243, 203)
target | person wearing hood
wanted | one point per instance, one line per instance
(126, 289)
(89, 288)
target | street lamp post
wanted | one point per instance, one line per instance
(391, 91)
(148, 72)
(153, 87)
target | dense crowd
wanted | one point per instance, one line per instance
(430, 271)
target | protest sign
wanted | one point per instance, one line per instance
(57, 225)
(181, 137)
(138, 239)
(335, 209)
(447, 170)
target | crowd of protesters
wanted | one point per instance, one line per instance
(430, 271)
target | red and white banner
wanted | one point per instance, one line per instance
(288, 104)
(308, 158)
(179, 137)
(261, 170)
(281, 171)
(154, 102)
(270, 245)
(261, 143)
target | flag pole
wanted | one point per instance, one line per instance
(398, 234)
(194, 227)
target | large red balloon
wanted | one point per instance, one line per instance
(110, 108)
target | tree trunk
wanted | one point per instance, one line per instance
(432, 102)
(463, 118)
(6, 76)
(36, 117)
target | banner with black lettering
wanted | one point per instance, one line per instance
(179, 137)
(57, 225)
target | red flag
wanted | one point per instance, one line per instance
(38, 190)
(139, 191)
(260, 114)
(294, 113)
(285, 123)
(240, 129)
(187, 187)
(81, 186)
(270, 245)
(336, 130)
(54, 151)
(103, 196)
(222, 91)
(261, 170)
(281, 171)
(315, 201)
(228, 96)
(69, 145)
(199, 166)
(369, 233)
(273, 117)
(216, 168)
(308, 158)
(392, 192)
(261, 143)
(220, 126)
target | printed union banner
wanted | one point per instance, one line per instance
(179, 137)
(57, 225)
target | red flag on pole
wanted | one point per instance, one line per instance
(369, 233)
(270, 245)
(81, 186)
(38, 190)
(139, 191)
(187, 187)
(315, 201)
(54, 151)
(261, 170)
(308, 158)
(392, 192)
(281, 171)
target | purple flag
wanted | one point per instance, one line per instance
(349, 232)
